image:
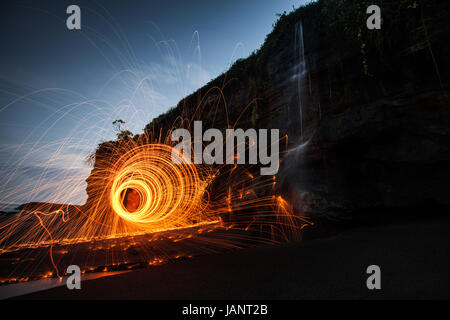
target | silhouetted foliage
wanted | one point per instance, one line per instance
(124, 135)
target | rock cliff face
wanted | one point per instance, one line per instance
(364, 113)
(376, 138)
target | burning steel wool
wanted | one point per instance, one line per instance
(160, 208)
(149, 192)
(143, 207)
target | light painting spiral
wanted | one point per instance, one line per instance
(162, 193)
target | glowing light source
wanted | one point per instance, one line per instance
(139, 190)
(168, 194)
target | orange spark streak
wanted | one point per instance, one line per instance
(51, 245)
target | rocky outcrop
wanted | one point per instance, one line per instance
(364, 113)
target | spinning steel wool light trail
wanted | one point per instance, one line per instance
(142, 208)
(166, 195)
(143, 192)
(140, 197)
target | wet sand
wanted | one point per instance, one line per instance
(414, 259)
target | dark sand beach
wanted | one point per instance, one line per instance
(414, 258)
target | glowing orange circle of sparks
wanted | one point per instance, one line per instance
(170, 189)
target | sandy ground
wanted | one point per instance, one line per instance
(414, 259)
